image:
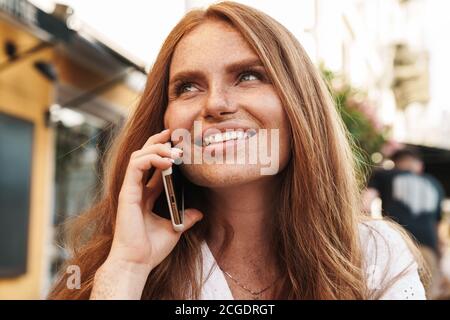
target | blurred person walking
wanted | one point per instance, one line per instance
(413, 199)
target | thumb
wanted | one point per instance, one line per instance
(191, 216)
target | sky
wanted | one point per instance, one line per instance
(139, 27)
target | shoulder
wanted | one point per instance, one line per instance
(378, 233)
(390, 265)
(434, 181)
(380, 242)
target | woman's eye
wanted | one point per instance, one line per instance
(248, 76)
(186, 87)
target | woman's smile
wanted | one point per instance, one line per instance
(223, 137)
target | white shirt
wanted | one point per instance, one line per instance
(385, 256)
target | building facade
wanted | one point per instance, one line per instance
(63, 93)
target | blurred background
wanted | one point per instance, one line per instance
(71, 71)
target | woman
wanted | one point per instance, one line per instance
(296, 233)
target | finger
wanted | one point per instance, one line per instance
(160, 149)
(136, 168)
(161, 137)
(191, 217)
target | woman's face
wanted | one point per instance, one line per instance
(218, 84)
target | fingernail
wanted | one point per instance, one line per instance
(171, 160)
(178, 161)
(165, 130)
(175, 154)
(177, 150)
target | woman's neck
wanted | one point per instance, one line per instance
(249, 209)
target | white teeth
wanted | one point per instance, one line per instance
(225, 136)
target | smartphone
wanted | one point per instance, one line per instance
(174, 190)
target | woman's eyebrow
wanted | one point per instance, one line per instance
(233, 67)
(186, 74)
(244, 64)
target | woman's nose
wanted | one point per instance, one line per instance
(218, 103)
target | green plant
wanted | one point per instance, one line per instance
(358, 115)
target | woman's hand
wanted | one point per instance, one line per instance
(142, 239)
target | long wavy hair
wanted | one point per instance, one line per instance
(316, 226)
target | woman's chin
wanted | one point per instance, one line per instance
(221, 175)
